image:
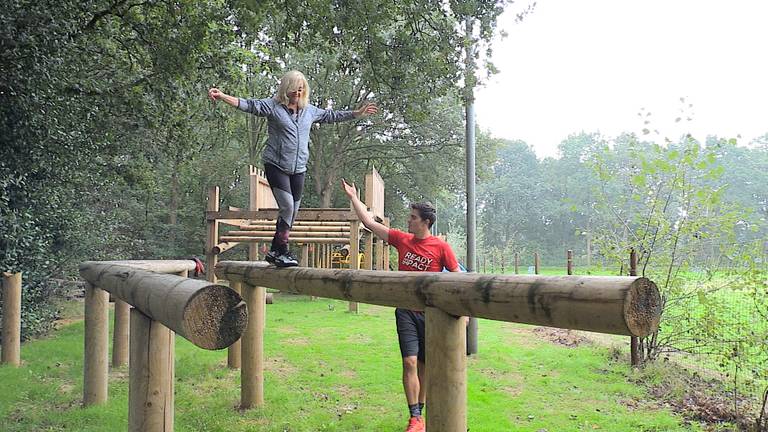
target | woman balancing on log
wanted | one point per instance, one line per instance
(289, 119)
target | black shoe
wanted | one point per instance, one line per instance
(271, 256)
(285, 260)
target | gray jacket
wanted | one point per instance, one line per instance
(288, 135)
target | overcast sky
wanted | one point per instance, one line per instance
(592, 65)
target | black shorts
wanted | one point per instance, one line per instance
(411, 333)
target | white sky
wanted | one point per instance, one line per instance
(591, 65)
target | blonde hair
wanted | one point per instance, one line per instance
(290, 82)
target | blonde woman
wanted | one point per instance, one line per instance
(290, 117)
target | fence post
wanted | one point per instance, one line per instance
(11, 285)
(150, 375)
(447, 371)
(120, 334)
(634, 342)
(536, 263)
(517, 263)
(252, 371)
(96, 361)
(569, 258)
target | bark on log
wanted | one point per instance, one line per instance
(208, 315)
(607, 304)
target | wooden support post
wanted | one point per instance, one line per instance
(234, 354)
(252, 372)
(536, 263)
(368, 254)
(150, 375)
(380, 254)
(634, 342)
(96, 361)
(304, 258)
(446, 371)
(11, 285)
(120, 334)
(569, 261)
(354, 255)
(517, 263)
(212, 236)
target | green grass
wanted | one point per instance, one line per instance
(328, 370)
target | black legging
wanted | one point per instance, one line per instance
(287, 189)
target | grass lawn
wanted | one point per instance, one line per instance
(328, 370)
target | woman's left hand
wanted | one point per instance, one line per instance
(368, 108)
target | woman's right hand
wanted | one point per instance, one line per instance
(215, 94)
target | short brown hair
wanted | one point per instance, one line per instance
(426, 212)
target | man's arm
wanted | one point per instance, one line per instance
(380, 230)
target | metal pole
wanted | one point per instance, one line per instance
(471, 204)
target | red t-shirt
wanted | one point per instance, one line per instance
(428, 254)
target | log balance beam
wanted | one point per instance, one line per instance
(208, 315)
(622, 305)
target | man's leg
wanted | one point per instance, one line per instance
(408, 337)
(422, 385)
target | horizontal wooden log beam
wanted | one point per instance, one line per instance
(307, 234)
(330, 215)
(256, 239)
(223, 247)
(157, 266)
(621, 305)
(210, 316)
(298, 228)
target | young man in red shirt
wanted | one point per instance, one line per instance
(418, 250)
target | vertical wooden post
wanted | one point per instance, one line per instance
(446, 345)
(536, 262)
(354, 254)
(234, 353)
(569, 259)
(368, 254)
(120, 334)
(11, 285)
(96, 360)
(150, 376)
(304, 258)
(252, 371)
(517, 262)
(212, 235)
(634, 342)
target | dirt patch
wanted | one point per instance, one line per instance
(348, 393)
(280, 367)
(349, 374)
(510, 383)
(299, 341)
(566, 338)
(362, 339)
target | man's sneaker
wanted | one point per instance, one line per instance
(271, 256)
(285, 260)
(416, 424)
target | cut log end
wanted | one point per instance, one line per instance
(642, 309)
(215, 317)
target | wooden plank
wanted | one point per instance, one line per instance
(327, 215)
(246, 239)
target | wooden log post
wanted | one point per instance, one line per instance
(634, 342)
(234, 352)
(212, 235)
(120, 334)
(446, 371)
(569, 261)
(620, 305)
(517, 263)
(354, 256)
(210, 316)
(252, 371)
(11, 286)
(536, 263)
(150, 376)
(96, 360)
